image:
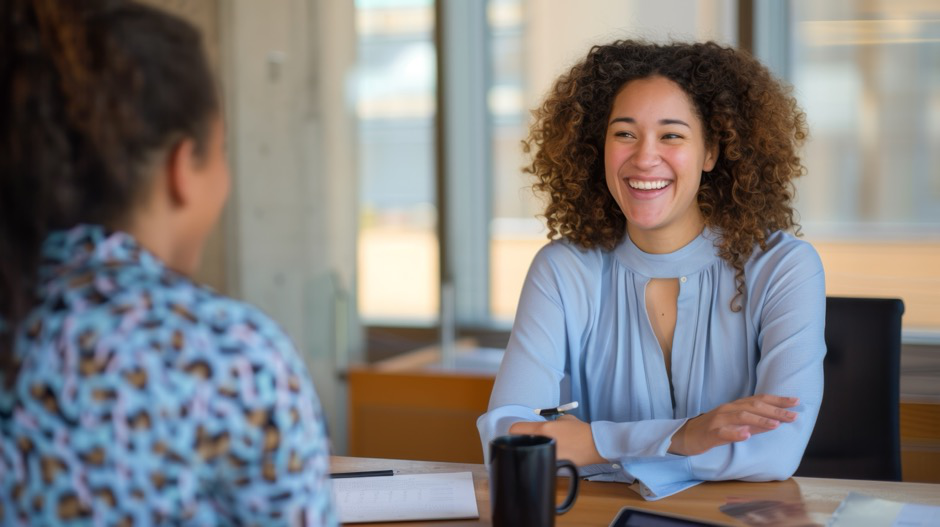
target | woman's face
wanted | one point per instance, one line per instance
(654, 156)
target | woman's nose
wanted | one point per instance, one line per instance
(646, 154)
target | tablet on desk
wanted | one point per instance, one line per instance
(632, 517)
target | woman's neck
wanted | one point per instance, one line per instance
(666, 239)
(158, 227)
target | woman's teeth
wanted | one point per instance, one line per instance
(647, 185)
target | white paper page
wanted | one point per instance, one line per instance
(859, 510)
(405, 497)
(916, 515)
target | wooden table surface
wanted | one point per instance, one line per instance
(598, 502)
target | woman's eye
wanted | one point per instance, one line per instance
(623, 134)
(672, 136)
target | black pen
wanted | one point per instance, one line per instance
(363, 474)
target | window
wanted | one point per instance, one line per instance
(515, 232)
(398, 255)
(867, 75)
(865, 72)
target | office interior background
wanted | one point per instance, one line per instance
(375, 145)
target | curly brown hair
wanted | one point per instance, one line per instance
(748, 113)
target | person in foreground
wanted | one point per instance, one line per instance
(129, 395)
(672, 305)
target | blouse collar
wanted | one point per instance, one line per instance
(693, 257)
(86, 246)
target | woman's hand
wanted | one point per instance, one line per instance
(733, 422)
(574, 440)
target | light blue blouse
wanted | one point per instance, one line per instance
(582, 334)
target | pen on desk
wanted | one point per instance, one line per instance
(363, 474)
(558, 410)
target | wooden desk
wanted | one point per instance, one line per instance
(598, 502)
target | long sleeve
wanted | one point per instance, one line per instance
(792, 344)
(533, 367)
(790, 296)
(276, 470)
(582, 333)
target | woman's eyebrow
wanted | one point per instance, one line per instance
(675, 121)
(631, 120)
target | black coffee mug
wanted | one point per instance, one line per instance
(522, 481)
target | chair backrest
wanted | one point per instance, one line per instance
(857, 433)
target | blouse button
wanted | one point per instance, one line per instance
(615, 466)
(683, 279)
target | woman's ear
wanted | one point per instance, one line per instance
(711, 157)
(181, 167)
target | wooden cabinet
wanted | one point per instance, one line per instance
(410, 407)
(920, 412)
(920, 442)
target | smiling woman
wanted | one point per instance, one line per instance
(672, 303)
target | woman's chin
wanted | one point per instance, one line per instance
(644, 222)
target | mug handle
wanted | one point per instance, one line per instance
(572, 488)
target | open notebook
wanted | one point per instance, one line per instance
(405, 497)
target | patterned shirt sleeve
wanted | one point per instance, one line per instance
(263, 435)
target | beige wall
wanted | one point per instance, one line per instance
(286, 73)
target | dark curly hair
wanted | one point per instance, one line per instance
(92, 91)
(748, 113)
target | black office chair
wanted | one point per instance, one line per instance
(857, 433)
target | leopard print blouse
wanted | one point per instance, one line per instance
(144, 399)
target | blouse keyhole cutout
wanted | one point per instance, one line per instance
(662, 296)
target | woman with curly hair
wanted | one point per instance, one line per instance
(672, 304)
